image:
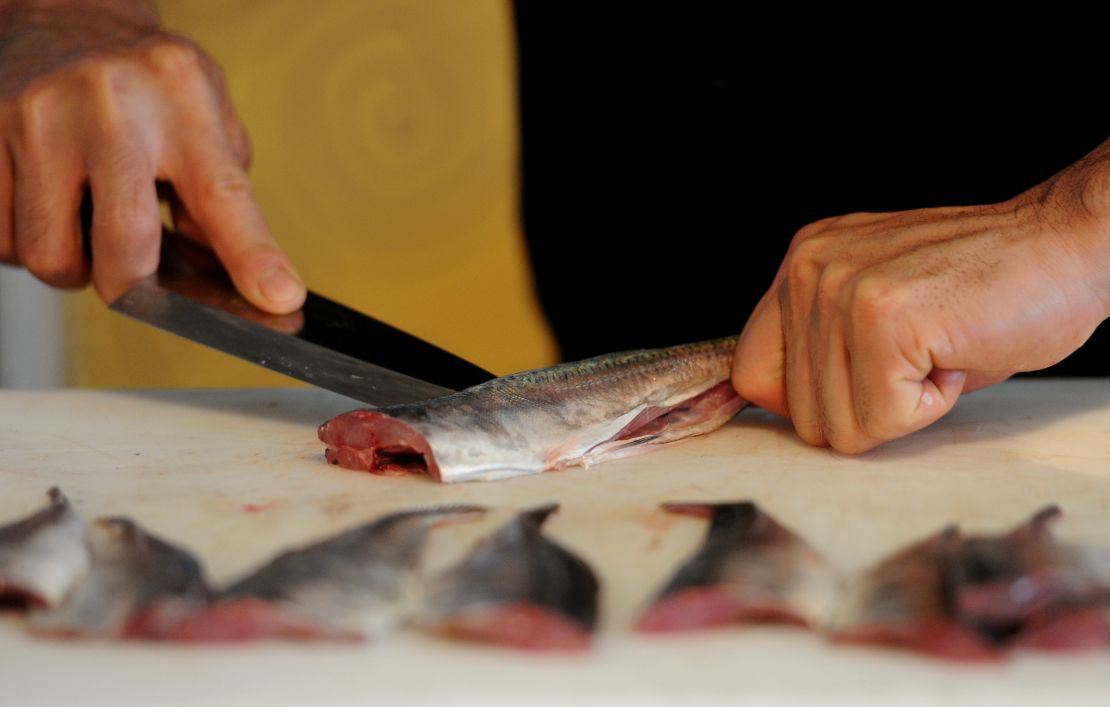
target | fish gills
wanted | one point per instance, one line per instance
(43, 556)
(517, 588)
(139, 586)
(566, 415)
(748, 569)
(356, 585)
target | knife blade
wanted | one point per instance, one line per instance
(323, 343)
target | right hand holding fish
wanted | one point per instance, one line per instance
(94, 92)
(876, 323)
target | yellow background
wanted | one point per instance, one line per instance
(385, 158)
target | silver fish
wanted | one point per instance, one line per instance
(43, 555)
(749, 569)
(571, 414)
(517, 588)
(361, 583)
(139, 586)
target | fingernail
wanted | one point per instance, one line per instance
(279, 284)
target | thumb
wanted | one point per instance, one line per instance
(758, 367)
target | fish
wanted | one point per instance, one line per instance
(749, 568)
(138, 586)
(43, 555)
(1068, 627)
(972, 597)
(359, 584)
(906, 600)
(517, 588)
(572, 414)
(1028, 588)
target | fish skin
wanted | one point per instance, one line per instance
(749, 568)
(517, 588)
(139, 586)
(43, 555)
(570, 414)
(360, 583)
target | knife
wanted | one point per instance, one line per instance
(323, 343)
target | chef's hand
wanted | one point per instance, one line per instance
(875, 323)
(93, 92)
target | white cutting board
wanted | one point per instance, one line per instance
(238, 475)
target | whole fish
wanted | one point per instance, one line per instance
(571, 414)
(138, 586)
(358, 584)
(749, 568)
(43, 555)
(517, 588)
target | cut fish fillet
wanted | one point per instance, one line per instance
(517, 588)
(43, 555)
(749, 568)
(139, 586)
(358, 584)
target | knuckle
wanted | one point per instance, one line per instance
(874, 301)
(807, 254)
(35, 104)
(225, 185)
(130, 222)
(52, 265)
(848, 443)
(832, 281)
(810, 433)
(174, 58)
(98, 74)
(811, 230)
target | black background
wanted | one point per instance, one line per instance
(669, 157)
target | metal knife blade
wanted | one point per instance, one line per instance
(324, 343)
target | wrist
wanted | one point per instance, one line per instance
(1072, 213)
(1095, 196)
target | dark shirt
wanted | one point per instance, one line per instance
(667, 160)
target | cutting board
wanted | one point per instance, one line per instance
(239, 475)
